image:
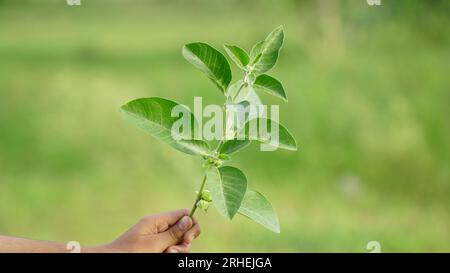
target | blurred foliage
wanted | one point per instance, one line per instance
(369, 102)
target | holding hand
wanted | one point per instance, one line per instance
(171, 232)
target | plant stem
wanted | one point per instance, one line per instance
(237, 93)
(219, 146)
(194, 207)
(202, 186)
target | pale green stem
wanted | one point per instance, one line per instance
(237, 93)
(202, 186)
(219, 146)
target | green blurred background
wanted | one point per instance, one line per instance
(369, 96)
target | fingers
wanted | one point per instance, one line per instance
(171, 231)
(172, 217)
(183, 248)
(176, 232)
(164, 220)
(193, 233)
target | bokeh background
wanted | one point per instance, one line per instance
(369, 97)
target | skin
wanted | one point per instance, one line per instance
(169, 232)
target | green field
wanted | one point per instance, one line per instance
(369, 104)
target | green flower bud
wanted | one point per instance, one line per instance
(208, 162)
(218, 163)
(206, 195)
(203, 205)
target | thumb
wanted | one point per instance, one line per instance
(175, 233)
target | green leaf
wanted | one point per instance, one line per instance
(255, 52)
(238, 55)
(264, 55)
(254, 131)
(192, 146)
(153, 115)
(270, 85)
(233, 146)
(224, 157)
(227, 186)
(256, 207)
(210, 61)
(273, 41)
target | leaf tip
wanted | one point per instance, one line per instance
(295, 147)
(123, 109)
(280, 28)
(230, 217)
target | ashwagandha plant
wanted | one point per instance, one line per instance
(224, 186)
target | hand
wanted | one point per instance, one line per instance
(171, 232)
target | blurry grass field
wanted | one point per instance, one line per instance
(369, 96)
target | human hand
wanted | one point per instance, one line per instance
(170, 232)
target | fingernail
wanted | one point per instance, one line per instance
(184, 223)
(172, 250)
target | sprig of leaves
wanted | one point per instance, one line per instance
(210, 61)
(224, 186)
